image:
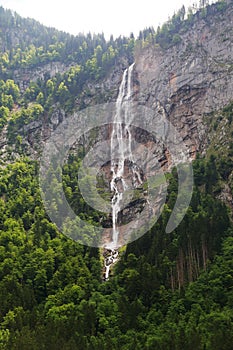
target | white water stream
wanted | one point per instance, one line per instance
(121, 139)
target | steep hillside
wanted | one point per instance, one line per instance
(193, 78)
(169, 290)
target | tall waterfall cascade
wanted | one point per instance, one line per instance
(121, 139)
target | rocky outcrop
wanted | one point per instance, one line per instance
(37, 132)
(191, 79)
(187, 81)
(23, 77)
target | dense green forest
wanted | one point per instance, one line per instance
(169, 291)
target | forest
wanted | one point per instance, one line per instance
(169, 291)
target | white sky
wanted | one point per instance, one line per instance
(118, 17)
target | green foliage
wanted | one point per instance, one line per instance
(221, 5)
(22, 117)
(4, 115)
(51, 291)
(170, 32)
(86, 58)
(39, 45)
(169, 291)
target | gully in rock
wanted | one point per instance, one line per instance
(121, 141)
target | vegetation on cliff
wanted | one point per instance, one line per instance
(168, 291)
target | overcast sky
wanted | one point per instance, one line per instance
(118, 17)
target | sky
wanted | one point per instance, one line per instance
(118, 17)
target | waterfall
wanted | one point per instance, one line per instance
(121, 139)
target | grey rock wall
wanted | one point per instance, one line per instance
(192, 79)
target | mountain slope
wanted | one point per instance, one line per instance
(169, 290)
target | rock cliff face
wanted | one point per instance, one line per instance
(23, 77)
(191, 79)
(187, 81)
(37, 132)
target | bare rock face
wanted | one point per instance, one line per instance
(191, 79)
(187, 81)
(23, 77)
(35, 133)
